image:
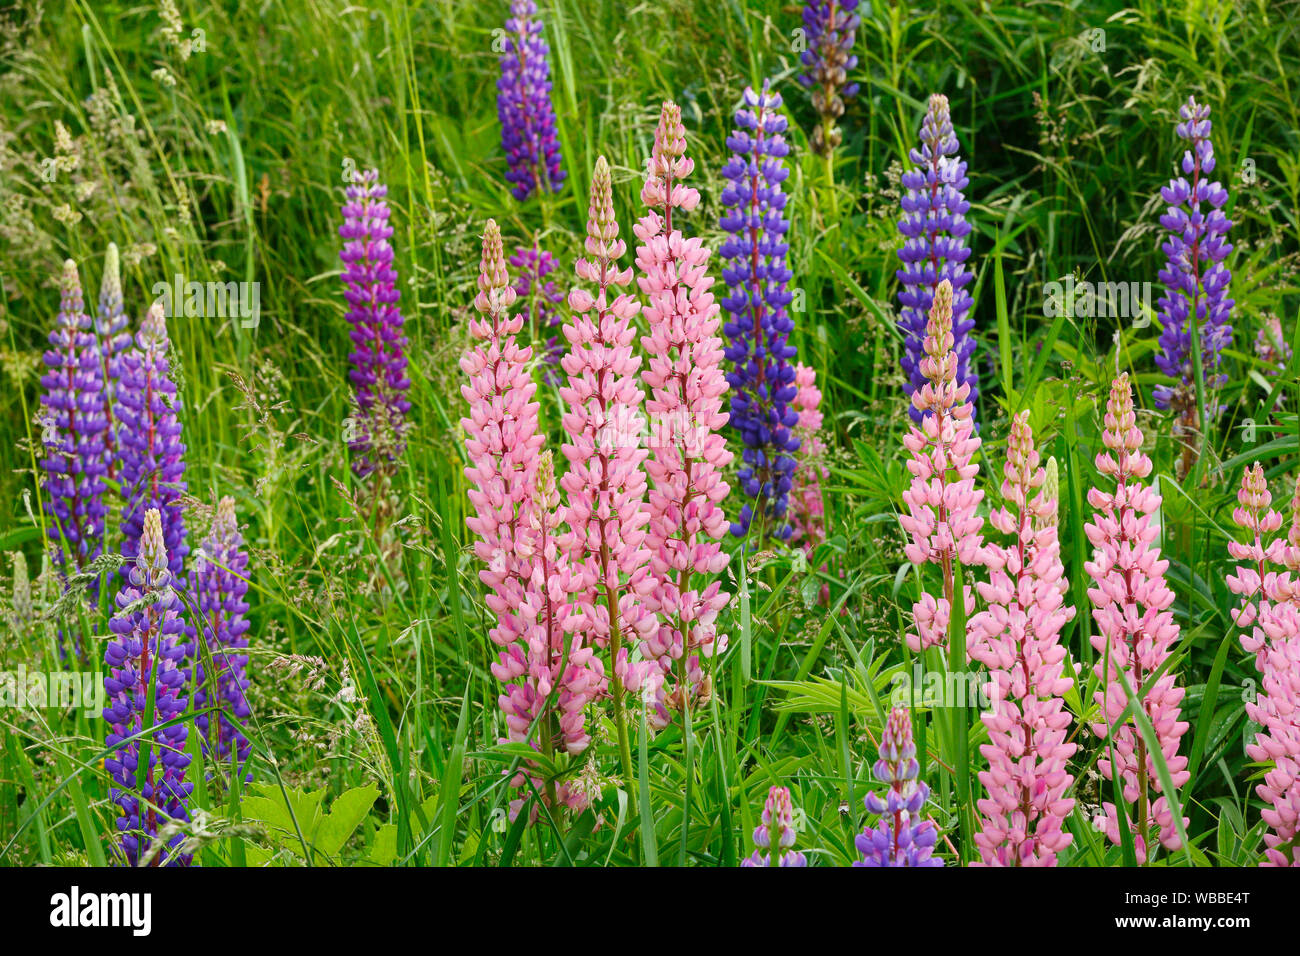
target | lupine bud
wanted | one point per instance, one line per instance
(776, 834)
(1018, 639)
(113, 338)
(687, 453)
(524, 106)
(220, 578)
(1136, 629)
(942, 502)
(829, 29)
(378, 356)
(900, 837)
(147, 651)
(934, 250)
(762, 379)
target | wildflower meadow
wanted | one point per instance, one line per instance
(707, 434)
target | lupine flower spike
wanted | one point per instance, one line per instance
(153, 462)
(829, 28)
(762, 378)
(524, 106)
(541, 298)
(1195, 278)
(378, 356)
(73, 422)
(1018, 639)
(775, 836)
(1269, 616)
(900, 837)
(687, 454)
(807, 509)
(221, 580)
(942, 519)
(114, 338)
(934, 250)
(147, 653)
(1136, 631)
(606, 480)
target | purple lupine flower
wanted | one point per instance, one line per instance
(778, 819)
(72, 425)
(113, 339)
(900, 837)
(153, 455)
(757, 333)
(829, 29)
(378, 355)
(1195, 276)
(934, 229)
(540, 298)
(147, 652)
(221, 580)
(524, 106)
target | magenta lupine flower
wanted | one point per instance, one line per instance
(516, 518)
(524, 106)
(606, 480)
(807, 509)
(829, 29)
(687, 453)
(1269, 616)
(934, 249)
(778, 822)
(153, 455)
(900, 837)
(221, 581)
(1195, 276)
(762, 378)
(113, 338)
(1136, 629)
(1018, 639)
(147, 652)
(942, 518)
(73, 422)
(541, 299)
(378, 356)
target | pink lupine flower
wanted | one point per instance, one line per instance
(942, 501)
(553, 674)
(1018, 639)
(807, 510)
(606, 482)
(1269, 616)
(1136, 630)
(504, 449)
(687, 453)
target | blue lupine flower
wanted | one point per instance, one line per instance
(829, 30)
(900, 837)
(757, 332)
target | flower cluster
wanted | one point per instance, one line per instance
(1269, 616)
(808, 510)
(829, 29)
(541, 296)
(1136, 630)
(900, 837)
(153, 464)
(221, 580)
(942, 502)
(145, 659)
(378, 356)
(73, 424)
(114, 338)
(778, 823)
(1018, 638)
(762, 379)
(687, 454)
(524, 106)
(934, 249)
